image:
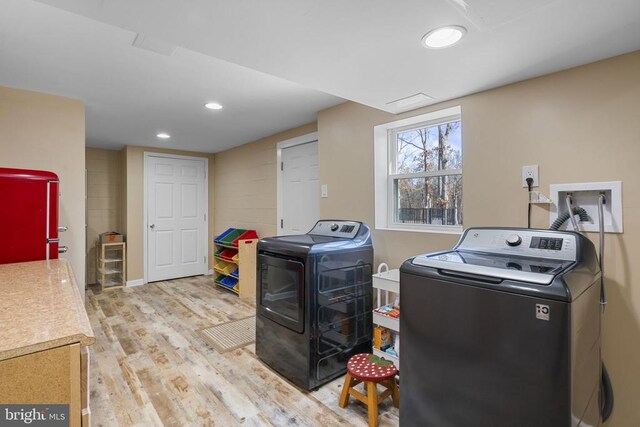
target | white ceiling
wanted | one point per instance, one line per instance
(367, 51)
(132, 94)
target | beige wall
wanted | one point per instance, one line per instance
(579, 125)
(123, 192)
(104, 196)
(245, 184)
(133, 204)
(46, 132)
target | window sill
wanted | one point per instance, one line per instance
(452, 229)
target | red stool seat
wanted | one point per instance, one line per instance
(370, 370)
(362, 368)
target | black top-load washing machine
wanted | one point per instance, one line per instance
(314, 301)
(503, 330)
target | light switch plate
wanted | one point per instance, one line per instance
(324, 190)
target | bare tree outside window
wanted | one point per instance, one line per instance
(427, 179)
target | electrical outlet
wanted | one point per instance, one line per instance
(530, 172)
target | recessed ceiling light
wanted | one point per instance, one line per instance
(163, 135)
(213, 106)
(443, 37)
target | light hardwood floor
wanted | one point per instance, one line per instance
(148, 366)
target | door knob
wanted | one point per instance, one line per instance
(62, 228)
(152, 226)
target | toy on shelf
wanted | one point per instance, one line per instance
(389, 310)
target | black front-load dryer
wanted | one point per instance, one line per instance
(314, 301)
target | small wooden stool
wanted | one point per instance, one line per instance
(370, 370)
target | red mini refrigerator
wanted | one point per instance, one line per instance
(29, 215)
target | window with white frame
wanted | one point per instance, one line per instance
(419, 172)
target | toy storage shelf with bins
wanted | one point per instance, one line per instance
(235, 261)
(111, 265)
(387, 315)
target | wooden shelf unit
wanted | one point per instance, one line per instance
(235, 261)
(111, 265)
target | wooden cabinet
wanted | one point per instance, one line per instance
(51, 377)
(85, 391)
(44, 355)
(235, 261)
(387, 284)
(111, 265)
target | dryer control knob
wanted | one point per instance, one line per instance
(513, 240)
(334, 227)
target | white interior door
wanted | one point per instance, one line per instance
(300, 188)
(176, 218)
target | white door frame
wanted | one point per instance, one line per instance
(298, 140)
(145, 224)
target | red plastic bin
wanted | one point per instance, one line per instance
(247, 235)
(228, 254)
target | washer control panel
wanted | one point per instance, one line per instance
(336, 228)
(521, 242)
(551, 243)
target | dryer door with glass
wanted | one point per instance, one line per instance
(281, 290)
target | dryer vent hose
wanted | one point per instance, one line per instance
(606, 397)
(565, 216)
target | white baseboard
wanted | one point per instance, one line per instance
(137, 282)
(209, 273)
